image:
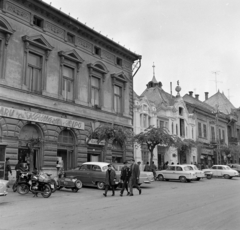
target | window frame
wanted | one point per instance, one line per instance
(6, 32)
(72, 60)
(121, 81)
(38, 18)
(100, 73)
(39, 46)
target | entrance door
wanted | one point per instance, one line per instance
(63, 154)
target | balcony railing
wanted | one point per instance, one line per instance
(233, 140)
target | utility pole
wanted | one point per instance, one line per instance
(216, 81)
(216, 112)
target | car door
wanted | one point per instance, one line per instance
(169, 172)
(97, 175)
(214, 170)
(83, 174)
(179, 172)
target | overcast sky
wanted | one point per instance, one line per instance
(187, 40)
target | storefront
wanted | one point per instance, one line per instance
(207, 157)
(39, 140)
(95, 150)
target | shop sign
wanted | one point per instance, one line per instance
(38, 117)
(95, 142)
(207, 151)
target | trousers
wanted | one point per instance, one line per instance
(132, 183)
(107, 187)
(124, 186)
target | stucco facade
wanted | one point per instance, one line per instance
(59, 80)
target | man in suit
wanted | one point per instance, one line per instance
(125, 175)
(110, 180)
(134, 178)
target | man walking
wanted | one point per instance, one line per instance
(154, 168)
(125, 175)
(133, 181)
(110, 180)
(7, 168)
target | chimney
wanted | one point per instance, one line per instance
(191, 93)
(196, 96)
(206, 96)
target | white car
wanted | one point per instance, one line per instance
(184, 173)
(200, 174)
(222, 171)
(3, 187)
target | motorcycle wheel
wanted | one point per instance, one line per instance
(22, 189)
(55, 186)
(46, 191)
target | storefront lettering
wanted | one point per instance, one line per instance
(38, 117)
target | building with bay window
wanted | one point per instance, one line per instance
(58, 80)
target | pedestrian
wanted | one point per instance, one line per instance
(110, 180)
(154, 168)
(165, 165)
(134, 178)
(124, 177)
(18, 168)
(147, 168)
(7, 168)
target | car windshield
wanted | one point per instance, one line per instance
(194, 167)
(187, 168)
(226, 167)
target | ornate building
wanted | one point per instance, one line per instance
(161, 109)
(59, 79)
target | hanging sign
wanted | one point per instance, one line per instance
(39, 117)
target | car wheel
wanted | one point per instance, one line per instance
(198, 179)
(226, 176)
(188, 180)
(160, 177)
(182, 179)
(100, 185)
(74, 189)
(78, 184)
(230, 177)
(209, 177)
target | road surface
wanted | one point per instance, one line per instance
(205, 205)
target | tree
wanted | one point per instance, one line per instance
(109, 134)
(155, 136)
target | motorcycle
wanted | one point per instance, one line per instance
(23, 177)
(69, 182)
(35, 183)
(52, 182)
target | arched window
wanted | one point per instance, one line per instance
(66, 137)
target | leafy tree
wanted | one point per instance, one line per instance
(153, 136)
(111, 133)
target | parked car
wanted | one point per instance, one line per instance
(199, 173)
(92, 174)
(3, 187)
(222, 171)
(235, 167)
(145, 177)
(184, 173)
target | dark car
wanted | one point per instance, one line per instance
(92, 174)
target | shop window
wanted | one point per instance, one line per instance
(5, 33)
(97, 75)
(37, 50)
(70, 65)
(37, 21)
(119, 82)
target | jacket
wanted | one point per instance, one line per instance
(125, 173)
(135, 173)
(110, 179)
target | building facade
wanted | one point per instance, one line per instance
(161, 109)
(211, 129)
(59, 80)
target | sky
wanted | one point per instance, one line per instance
(193, 41)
